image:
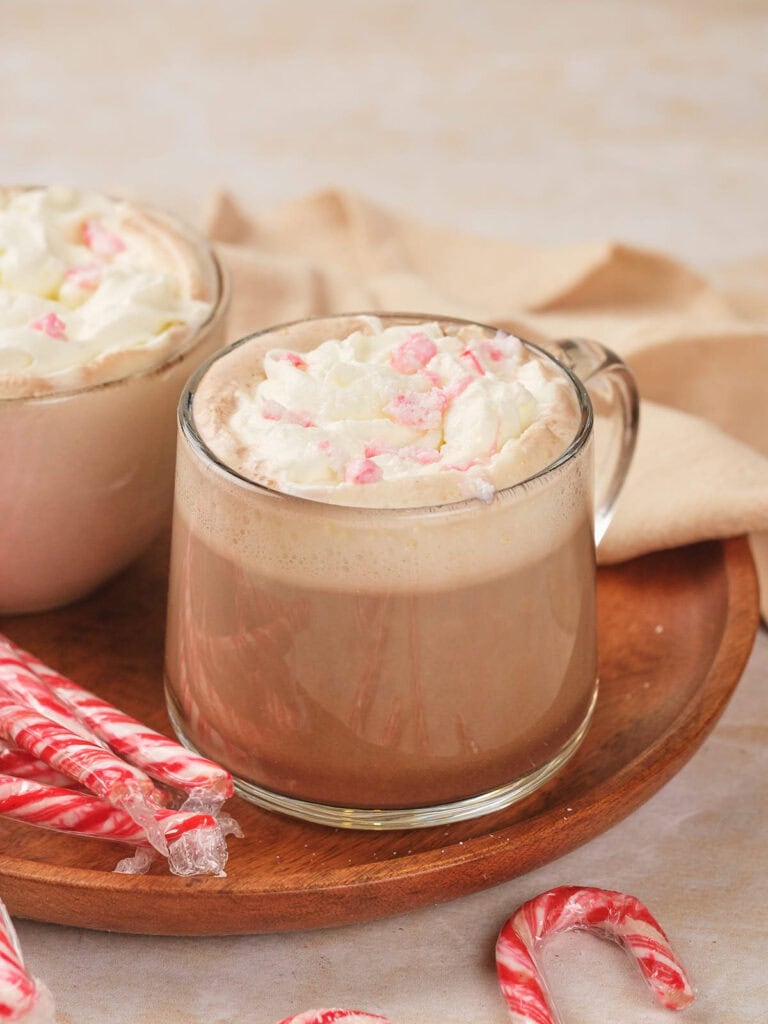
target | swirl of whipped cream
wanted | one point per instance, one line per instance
(393, 417)
(91, 289)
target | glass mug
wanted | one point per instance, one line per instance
(391, 668)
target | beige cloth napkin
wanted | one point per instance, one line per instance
(700, 355)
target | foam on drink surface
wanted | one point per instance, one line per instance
(91, 290)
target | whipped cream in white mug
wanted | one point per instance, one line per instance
(392, 417)
(91, 289)
(106, 307)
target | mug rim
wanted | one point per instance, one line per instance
(196, 442)
(219, 305)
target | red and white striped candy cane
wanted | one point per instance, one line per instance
(81, 759)
(23, 999)
(199, 850)
(62, 810)
(22, 684)
(23, 766)
(334, 1016)
(162, 758)
(610, 914)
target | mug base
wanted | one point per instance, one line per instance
(375, 819)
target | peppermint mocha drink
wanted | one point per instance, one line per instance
(382, 584)
(105, 309)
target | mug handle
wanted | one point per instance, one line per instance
(616, 405)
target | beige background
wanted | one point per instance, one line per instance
(642, 120)
(645, 121)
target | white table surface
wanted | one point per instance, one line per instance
(644, 121)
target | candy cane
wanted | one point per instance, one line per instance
(62, 810)
(332, 1016)
(610, 914)
(207, 784)
(81, 759)
(199, 850)
(22, 998)
(19, 682)
(23, 766)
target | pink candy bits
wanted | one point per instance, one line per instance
(100, 240)
(424, 456)
(86, 277)
(470, 359)
(422, 409)
(272, 410)
(293, 358)
(51, 325)
(362, 471)
(413, 354)
(410, 452)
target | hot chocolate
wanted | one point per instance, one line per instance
(413, 635)
(105, 308)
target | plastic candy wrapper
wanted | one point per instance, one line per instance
(88, 763)
(193, 844)
(193, 840)
(22, 685)
(23, 999)
(23, 766)
(58, 734)
(609, 914)
(206, 784)
(63, 810)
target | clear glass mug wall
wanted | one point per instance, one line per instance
(389, 668)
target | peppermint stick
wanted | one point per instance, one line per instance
(199, 850)
(23, 766)
(63, 810)
(23, 998)
(609, 914)
(23, 685)
(207, 784)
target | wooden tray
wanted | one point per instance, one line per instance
(676, 629)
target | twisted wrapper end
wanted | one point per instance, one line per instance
(201, 851)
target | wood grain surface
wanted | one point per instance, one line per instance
(675, 630)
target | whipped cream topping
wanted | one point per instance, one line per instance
(393, 416)
(91, 289)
